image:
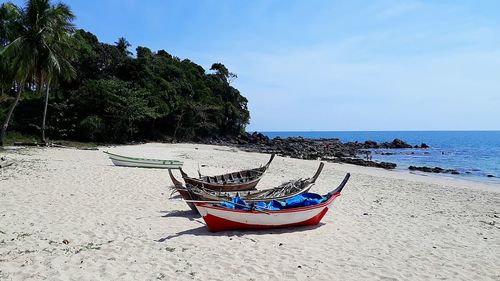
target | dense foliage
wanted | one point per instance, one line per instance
(114, 97)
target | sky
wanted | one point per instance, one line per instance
(322, 65)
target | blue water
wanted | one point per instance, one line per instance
(475, 154)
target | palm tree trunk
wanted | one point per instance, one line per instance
(178, 125)
(45, 112)
(39, 84)
(9, 114)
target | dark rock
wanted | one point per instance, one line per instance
(437, 170)
(366, 163)
(328, 149)
(244, 137)
(387, 165)
(341, 154)
(490, 176)
(396, 143)
(433, 170)
(371, 144)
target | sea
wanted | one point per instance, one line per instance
(474, 154)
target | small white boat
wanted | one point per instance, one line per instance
(219, 218)
(126, 161)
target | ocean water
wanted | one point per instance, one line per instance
(475, 154)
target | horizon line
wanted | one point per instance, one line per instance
(310, 131)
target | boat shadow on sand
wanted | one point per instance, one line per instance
(203, 231)
(188, 214)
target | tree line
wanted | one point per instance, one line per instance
(61, 82)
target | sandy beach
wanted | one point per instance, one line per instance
(68, 214)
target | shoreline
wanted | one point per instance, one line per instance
(397, 173)
(368, 153)
(429, 178)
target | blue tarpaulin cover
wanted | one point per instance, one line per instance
(301, 200)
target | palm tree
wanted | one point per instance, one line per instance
(10, 27)
(10, 23)
(41, 51)
(122, 46)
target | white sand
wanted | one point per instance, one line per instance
(121, 224)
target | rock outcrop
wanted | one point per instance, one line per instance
(433, 170)
(327, 149)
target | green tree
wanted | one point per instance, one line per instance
(42, 49)
(116, 97)
(223, 73)
(122, 45)
(118, 106)
(10, 27)
(10, 22)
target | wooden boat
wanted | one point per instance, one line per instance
(236, 181)
(281, 192)
(219, 218)
(126, 161)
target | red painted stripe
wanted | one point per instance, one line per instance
(215, 223)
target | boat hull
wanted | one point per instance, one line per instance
(250, 185)
(139, 164)
(186, 196)
(221, 219)
(247, 179)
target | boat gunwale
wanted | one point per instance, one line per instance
(138, 159)
(222, 185)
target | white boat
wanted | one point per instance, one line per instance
(219, 218)
(126, 161)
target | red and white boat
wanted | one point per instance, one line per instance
(219, 218)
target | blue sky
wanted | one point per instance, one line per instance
(330, 65)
